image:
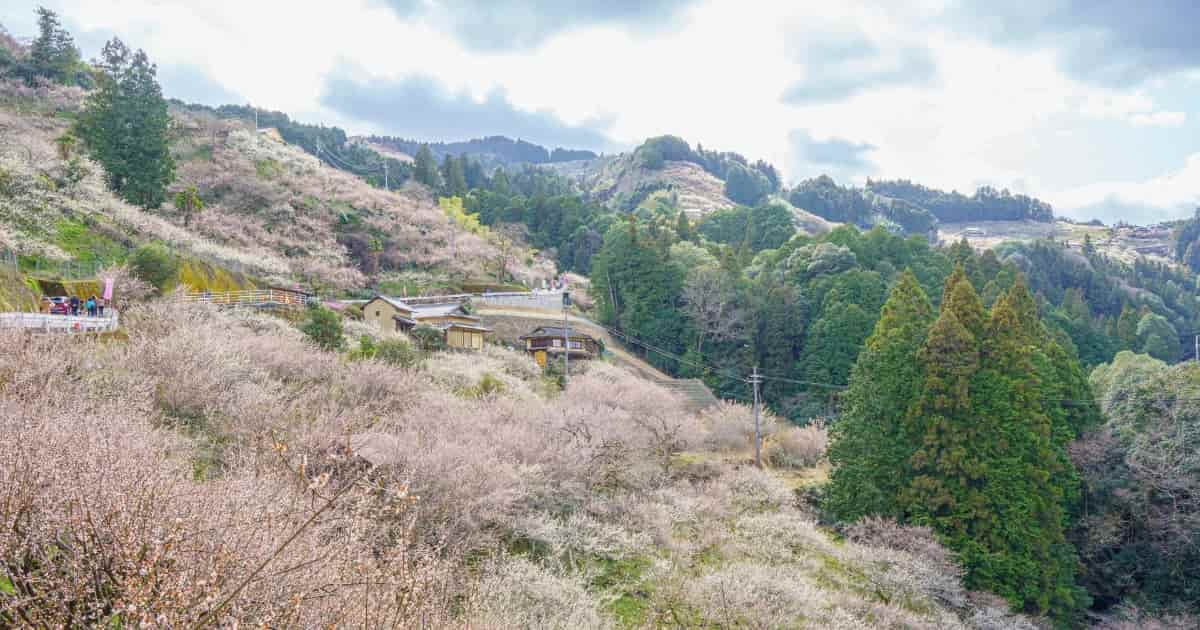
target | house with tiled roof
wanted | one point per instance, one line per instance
(461, 329)
(545, 343)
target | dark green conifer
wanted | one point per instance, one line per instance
(125, 126)
(871, 446)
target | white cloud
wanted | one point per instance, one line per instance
(983, 113)
(1133, 107)
(1159, 119)
(1168, 196)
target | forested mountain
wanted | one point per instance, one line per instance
(1187, 242)
(912, 207)
(824, 198)
(493, 151)
(987, 204)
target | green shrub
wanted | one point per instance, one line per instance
(487, 387)
(428, 338)
(153, 263)
(398, 352)
(366, 349)
(323, 327)
(395, 352)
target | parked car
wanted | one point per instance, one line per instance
(59, 306)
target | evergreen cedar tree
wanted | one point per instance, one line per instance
(425, 169)
(958, 423)
(125, 126)
(637, 286)
(53, 55)
(1187, 242)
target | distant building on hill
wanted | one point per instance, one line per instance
(461, 329)
(546, 342)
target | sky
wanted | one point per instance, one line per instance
(1091, 105)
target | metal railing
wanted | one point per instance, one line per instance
(60, 323)
(252, 297)
(61, 269)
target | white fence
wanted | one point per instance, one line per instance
(544, 300)
(59, 323)
(255, 297)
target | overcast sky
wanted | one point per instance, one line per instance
(1090, 105)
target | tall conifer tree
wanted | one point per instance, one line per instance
(125, 126)
(871, 446)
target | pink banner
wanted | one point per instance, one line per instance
(108, 286)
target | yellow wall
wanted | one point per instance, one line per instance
(380, 313)
(466, 339)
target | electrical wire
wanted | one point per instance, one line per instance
(724, 372)
(344, 164)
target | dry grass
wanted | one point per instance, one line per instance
(213, 466)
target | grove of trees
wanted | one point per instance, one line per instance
(979, 452)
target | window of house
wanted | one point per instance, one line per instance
(558, 343)
(577, 345)
(376, 313)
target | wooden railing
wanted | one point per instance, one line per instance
(253, 297)
(60, 323)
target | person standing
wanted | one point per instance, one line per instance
(100, 306)
(74, 305)
(90, 305)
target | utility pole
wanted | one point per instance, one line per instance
(566, 303)
(1198, 347)
(755, 379)
(385, 175)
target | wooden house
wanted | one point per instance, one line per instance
(461, 329)
(547, 342)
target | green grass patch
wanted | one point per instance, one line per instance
(86, 245)
(268, 169)
(626, 580)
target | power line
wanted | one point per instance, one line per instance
(760, 376)
(344, 164)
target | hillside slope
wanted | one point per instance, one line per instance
(621, 180)
(271, 211)
(458, 494)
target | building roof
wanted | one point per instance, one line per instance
(449, 325)
(422, 311)
(436, 310)
(557, 331)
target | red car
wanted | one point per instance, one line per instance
(60, 306)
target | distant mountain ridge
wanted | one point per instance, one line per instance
(912, 207)
(489, 150)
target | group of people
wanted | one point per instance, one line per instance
(92, 306)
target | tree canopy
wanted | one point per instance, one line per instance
(125, 126)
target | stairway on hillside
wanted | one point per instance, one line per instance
(696, 395)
